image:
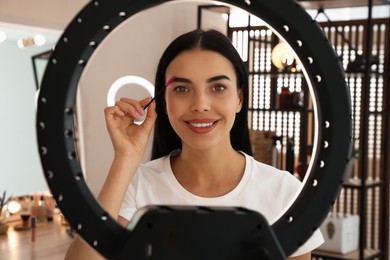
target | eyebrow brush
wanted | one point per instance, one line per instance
(169, 82)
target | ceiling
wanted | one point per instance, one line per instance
(316, 4)
(25, 18)
(50, 17)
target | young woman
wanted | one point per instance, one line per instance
(201, 149)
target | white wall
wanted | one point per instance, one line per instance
(20, 169)
(50, 14)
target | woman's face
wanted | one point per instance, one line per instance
(203, 100)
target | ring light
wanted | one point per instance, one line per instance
(56, 105)
(123, 81)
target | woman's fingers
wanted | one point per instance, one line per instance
(131, 107)
(125, 132)
(114, 111)
(133, 110)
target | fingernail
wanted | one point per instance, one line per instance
(141, 111)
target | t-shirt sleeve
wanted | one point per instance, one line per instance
(129, 205)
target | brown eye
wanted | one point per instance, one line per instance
(219, 88)
(181, 89)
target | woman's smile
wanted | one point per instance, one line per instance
(201, 126)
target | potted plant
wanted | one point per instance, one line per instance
(3, 224)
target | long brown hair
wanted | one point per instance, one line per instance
(165, 139)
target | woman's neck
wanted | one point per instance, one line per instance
(209, 173)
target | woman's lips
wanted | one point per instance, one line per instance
(201, 126)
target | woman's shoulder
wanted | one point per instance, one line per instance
(263, 170)
(262, 167)
(159, 165)
(154, 165)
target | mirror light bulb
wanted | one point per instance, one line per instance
(21, 44)
(13, 207)
(39, 40)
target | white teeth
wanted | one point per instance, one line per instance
(201, 124)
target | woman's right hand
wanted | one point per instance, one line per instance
(130, 141)
(127, 137)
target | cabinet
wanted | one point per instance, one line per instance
(365, 191)
(279, 100)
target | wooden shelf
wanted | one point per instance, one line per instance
(368, 254)
(352, 183)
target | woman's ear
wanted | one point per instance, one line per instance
(240, 100)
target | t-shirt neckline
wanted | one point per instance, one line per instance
(210, 200)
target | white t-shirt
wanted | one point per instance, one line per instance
(262, 188)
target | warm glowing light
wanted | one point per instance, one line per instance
(282, 56)
(39, 40)
(21, 43)
(13, 207)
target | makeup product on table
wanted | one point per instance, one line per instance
(50, 206)
(24, 214)
(25, 205)
(33, 226)
(34, 207)
(25, 225)
(25, 218)
(41, 213)
(169, 82)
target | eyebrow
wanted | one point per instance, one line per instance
(216, 78)
(212, 79)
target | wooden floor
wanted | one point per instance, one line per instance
(354, 255)
(51, 242)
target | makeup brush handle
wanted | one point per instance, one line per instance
(150, 102)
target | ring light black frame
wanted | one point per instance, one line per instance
(56, 105)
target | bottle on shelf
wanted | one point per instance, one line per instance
(41, 216)
(34, 205)
(50, 206)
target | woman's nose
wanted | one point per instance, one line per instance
(200, 102)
